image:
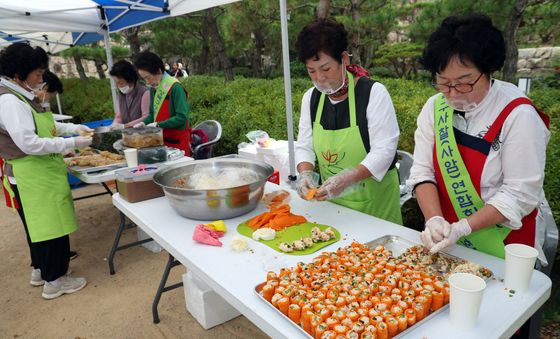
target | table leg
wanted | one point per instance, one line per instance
(171, 262)
(122, 226)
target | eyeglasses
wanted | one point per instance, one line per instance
(461, 88)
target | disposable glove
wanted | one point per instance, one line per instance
(83, 130)
(457, 230)
(336, 185)
(304, 183)
(436, 229)
(153, 124)
(116, 126)
(140, 124)
(82, 142)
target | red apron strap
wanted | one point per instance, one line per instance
(499, 122)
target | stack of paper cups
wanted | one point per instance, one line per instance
(520, 262)
(466, 292)
(131, 156)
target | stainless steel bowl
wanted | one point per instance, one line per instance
(213, 204)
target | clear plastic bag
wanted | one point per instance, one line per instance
(259, 137)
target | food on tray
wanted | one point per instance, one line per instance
(443, 264)
(90, 158)
(278, 218)
(264, 233)
(142, 137)
(356, 292)
(303, 243)
(276, 198)
(239, 244)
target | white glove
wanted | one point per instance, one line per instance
(304, 183)
(436, 229)
(83, 130)
(116, 126)
(335, 185)
(82, 142)
(138, 125)
(457, 230)
(153, 124)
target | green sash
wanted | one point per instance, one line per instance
(163, 88)
(459, 186)
(341, 149)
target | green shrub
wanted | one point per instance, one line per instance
(249, 104)
(86, 100)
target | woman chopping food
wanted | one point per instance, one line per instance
(480, 148)
(348, 123)
(169, 108)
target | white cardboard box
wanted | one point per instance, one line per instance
(205, 305)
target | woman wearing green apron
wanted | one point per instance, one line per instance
(34, 174)
(480, 148)
(348, 124)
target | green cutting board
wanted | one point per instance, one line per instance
(291, 234)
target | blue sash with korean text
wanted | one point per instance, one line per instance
(459, 185)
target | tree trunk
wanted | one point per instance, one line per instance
(256, 61)
(218, 46)
(80, 67)
(99, 68)
(131, 35)
(356, 45)
(323, 9)
(510, 35)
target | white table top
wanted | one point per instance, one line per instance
(97, 178)
(234, 275)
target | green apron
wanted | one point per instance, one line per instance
(43, 187)
(458, 184)
(341, 149)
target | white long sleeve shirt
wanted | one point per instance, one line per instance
(513, 175)
(383, 131)
(17, 119)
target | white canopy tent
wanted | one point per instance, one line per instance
(59, 24)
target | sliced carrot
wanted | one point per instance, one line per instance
(310, 193)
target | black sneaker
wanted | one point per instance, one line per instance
(73, 255)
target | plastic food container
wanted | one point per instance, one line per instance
(136, 184)
(142, 137)
(152, 155)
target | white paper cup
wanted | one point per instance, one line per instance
(520, 262)
(465, 294)
(131, 156)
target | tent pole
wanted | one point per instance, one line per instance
(58, 104)
(110, 65)
(287, 86)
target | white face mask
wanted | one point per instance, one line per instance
(124, 89)
(329, 89)
(35, 88)
(463, 103)
(46, 105)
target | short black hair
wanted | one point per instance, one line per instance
(149, 62)
(322, 35)
(52, 82)
(125, 70)
(20, 59)
(473, 38)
